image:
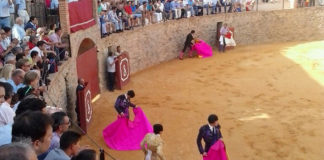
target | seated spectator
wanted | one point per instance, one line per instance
(23, 64)
(6, 38)
(112, 16)
(87, 154)
(32, 23)
(129, 14)
(61, 123)
(6, 113)
(34, 59)
(6, 72)
(17, 151)
(60, 48)
(16, 80)
(40, 48)
(143, 9)
(10, 58)
(36, 126)
(167, 9)
(18, 30)
(52, 29)
(31, 104)
(32, 42)
(69, 146)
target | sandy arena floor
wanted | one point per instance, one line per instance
(269, 99)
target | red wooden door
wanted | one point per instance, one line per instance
(87, 68)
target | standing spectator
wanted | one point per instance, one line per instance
(21, 10)
(223, 31)
(34, 125)
(16, 80)
(111, 60)
(54, 4)
(12, 14)
(118, 51)
(18, 30)
(32, 23)
(69, 146)
(81, 85)
(4, 13)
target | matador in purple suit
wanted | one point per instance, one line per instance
(123, 103)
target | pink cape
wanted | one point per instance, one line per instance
(203, 49)
(217, 152)
(124, 134)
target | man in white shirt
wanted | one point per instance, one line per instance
(111, 69)
(6, 113)
(18, 30)
(206, 4)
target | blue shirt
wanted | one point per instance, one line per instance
(190, 3)
(54, 4)
(4, 8)
(57, 154)
(22, 4)
(14, 86)
(167, 6)
(133, 8)
(173, 5)
(5, 134)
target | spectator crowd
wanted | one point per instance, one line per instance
(116, 16)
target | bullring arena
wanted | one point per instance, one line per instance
(267, 92)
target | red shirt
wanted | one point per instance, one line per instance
(30, 45)
(128, 9)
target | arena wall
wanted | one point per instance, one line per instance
(151, 45)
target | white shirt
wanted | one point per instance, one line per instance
(211, 128)
(161, 7)
(40, 52)
(221, 40)
(206, 2)
(104, 6)
(141, 8)
(6, 114)
(111, 67)
(5, 43)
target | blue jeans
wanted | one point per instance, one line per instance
(207, 8)
(4, 22)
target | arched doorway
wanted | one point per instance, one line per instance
(87, 65)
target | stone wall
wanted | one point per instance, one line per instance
(157, 43)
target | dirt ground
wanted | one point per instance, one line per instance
(269, 99)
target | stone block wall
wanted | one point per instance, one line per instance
(151, 45)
